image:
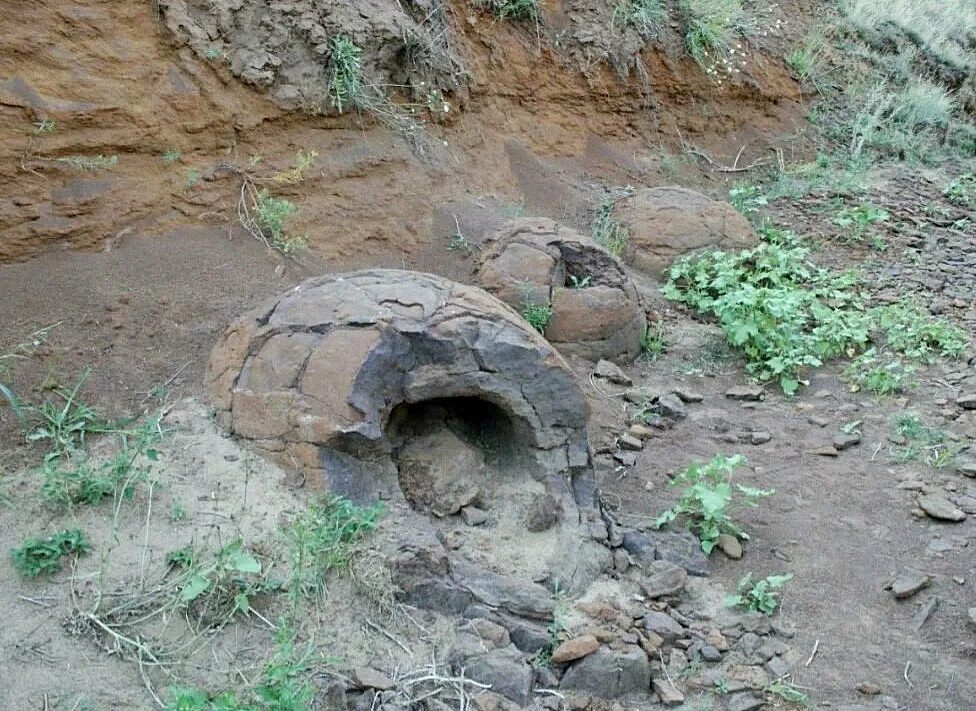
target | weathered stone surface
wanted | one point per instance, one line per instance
(966, 466)
(596, 313)
(609, 673)
(967, 401)
(909, 583)
(939, 507)
(505, 670)
(515, 596)
(441, 473)
(670, 695)
(746, 392)
(545, 512)
(611, 372)
(369, 678)
(663, 625)
(678, 547)
(665, 223)
(663, 579)
(745, 701)
(576, 648)
(730, 545)
(329, 361)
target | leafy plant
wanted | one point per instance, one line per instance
(344, 77)
(788, 692)
(537, 315)
(747, 198)
(578, 282)
(707, 499)
(321, 540)
(908, 330)
(66, 421)
(85, 482)
(759, 595)
(296, 174)
(40, 556)
(867, 371)
(45, 126)
(859, 218)
(962, 191)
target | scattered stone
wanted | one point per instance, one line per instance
(745, 701)
(612, 372)
(473, 516)
(924, 612)
(670, 405)
(687, 395)
(759, 437)
(966, 466)
(610, 673)
(670, 695)
(818, 421)
(939, 507)
(846, 440)
(369, 678)
(777, 667)
(508, 674)
(621, 560)
(627, 459)
(662, 625)
(640, 431)
(576, 648)
(490, 701)
(967, 401)
(908, 584)
(746, 392)
(667, 579)
(972, 616)
(747, 677)
(826, 451)
(730, 546)
(629, 442)
(940, 545)
(868, 688)
(678, 547)
(710, 653)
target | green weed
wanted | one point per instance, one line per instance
(578, 282)
(41, 556)
(513, 9)
(746, 198)
(712, 27)
(321, 539)
(788, 692)
(653, 343)
(89, 163)
(605, 230)
(345, 84)
(910, 331)
(65, 422)
(758, 595)
(707, 500)
(270, 214)
(858, 219)
(867, 371)
(83, 481)
(45, 126)
(537, 315)
(962, 191)
(296, 174)
(930, 444)
(172, 156)
(646, 16)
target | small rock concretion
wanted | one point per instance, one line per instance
(940, 508)
(595, 309)
(669, 222)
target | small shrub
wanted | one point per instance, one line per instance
(707, 499)
(89, 163)
(41, 556)
(537, 315)
(867, 372)
(711, 30)
(344, 78)
(645, 16)
(747, 198)
(271, 213)
(759, 595)
(858, 219)
(513, 9)
(653, 343)
(608, 232)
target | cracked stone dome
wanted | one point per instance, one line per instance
(596, 311)
(342, 375)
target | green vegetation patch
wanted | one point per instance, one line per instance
(42, 556)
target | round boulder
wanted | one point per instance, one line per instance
(380, 382)
(669, 222)
(594, 309)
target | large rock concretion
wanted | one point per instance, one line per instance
(596, 312)
(317, 375)
(669, 222)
